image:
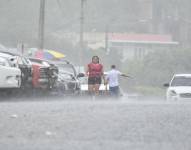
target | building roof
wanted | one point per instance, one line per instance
(141, 38)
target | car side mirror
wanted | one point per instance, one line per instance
(166, 85)
(13, 62)
(80, 75)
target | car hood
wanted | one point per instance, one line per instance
(181, 89)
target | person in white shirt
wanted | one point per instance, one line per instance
(112, 79)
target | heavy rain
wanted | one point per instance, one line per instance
(95, 74)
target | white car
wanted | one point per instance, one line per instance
(84, 86)
(10, 77)
(179, 87)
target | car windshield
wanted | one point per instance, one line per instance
(25, 61)
(181, 81)
(66, 68)
(65, 76)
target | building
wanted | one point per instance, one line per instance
(137, 46)
(170, 17)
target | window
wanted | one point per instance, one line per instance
(181, 81)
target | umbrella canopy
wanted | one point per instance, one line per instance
(49, 54)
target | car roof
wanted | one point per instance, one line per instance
(180, 75)
(5, 55)
(9, 53)
(61, 62)
(40, 61)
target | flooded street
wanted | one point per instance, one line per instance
(63, 63)
(96, 125)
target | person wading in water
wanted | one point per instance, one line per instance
(95, 74)
(112, 79)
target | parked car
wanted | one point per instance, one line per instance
(23, 64)
(44, 74)
(179, 87)
(68, 82)
(10, 77)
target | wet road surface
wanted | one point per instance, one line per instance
(94, 125)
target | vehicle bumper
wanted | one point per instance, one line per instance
(179, 98)
(68, 88)
(42, 83)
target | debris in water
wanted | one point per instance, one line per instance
(14, 116)
(48, 133)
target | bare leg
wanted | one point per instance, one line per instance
(97, 89)
(90, 89)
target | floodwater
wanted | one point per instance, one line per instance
(104, 124)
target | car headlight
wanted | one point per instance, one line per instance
(173, 93)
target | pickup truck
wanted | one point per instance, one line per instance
(44, 74)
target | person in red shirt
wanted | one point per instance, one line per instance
(95, 75)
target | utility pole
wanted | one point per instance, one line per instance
(106, 38)
(81, 31)
(41, 25)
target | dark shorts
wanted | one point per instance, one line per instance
(94, 80)
(114, 91)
